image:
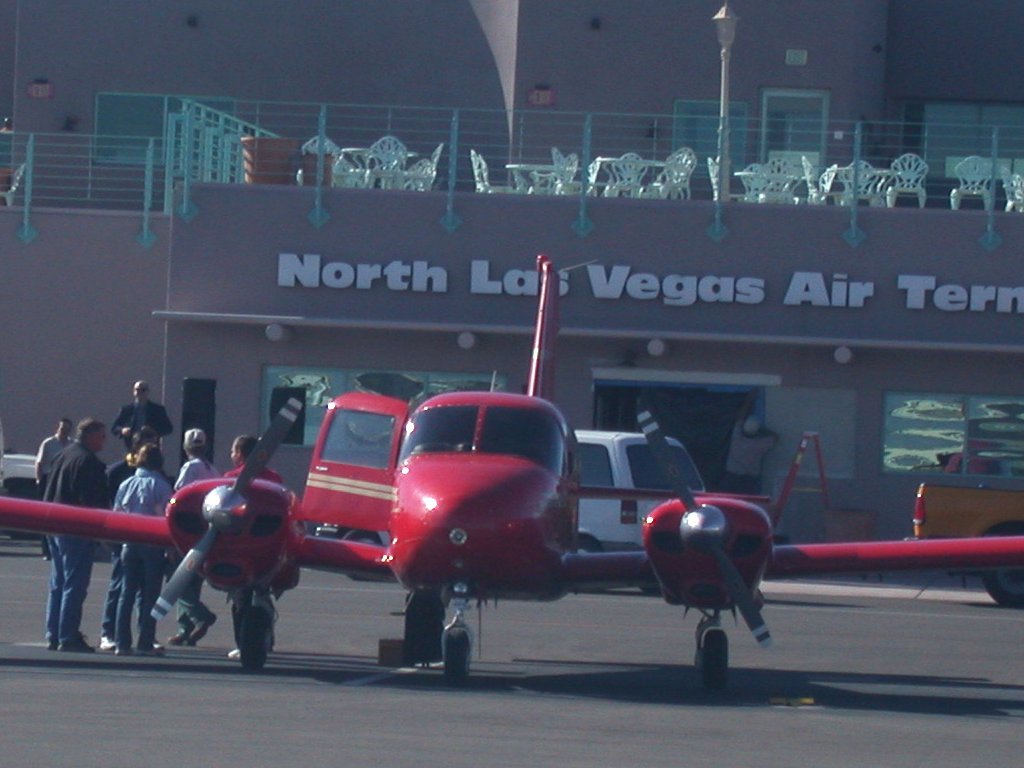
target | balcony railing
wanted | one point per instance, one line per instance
(201, 144)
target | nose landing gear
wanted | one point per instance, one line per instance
(457, 644)
(712, 656)
(254, 615)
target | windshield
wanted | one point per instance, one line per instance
(526, 432)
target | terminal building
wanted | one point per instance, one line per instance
(786, 247)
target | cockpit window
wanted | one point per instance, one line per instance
(450, 428)
(360, 438)
(524, 432)
(532, 434)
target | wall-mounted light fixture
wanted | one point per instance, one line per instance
(277, 332)
(656, 347)
(466, 340)
(842, 355)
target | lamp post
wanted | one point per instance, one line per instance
(725, 26)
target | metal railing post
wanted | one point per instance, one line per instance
(27, 233)
(146, 237)
(991, 239)
(854, 236)
(717, 231)
(583, 225)
(318, 216)
(451, 221)
(188, 210)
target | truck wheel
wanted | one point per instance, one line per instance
(1006, 586)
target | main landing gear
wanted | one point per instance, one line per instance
(428, 639)
(712, 657)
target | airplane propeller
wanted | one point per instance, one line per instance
(703, 526)
(220, 504)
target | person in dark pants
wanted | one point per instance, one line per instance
(146, 492)
(117, 473)
(78, 478)
(48, 452)
(141, 412)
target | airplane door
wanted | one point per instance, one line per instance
(351, 476)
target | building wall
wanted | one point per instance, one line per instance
(955, 51)
(313, 51)
(76, 306)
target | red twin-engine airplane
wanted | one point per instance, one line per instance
(478, 493)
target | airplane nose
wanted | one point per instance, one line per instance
(470, 519)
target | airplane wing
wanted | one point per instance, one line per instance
(607, 570)
(794, 560)
(349, 557)
(102, 524)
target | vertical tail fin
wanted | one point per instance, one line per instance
(541, 382)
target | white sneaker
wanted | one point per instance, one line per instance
(235, 655)
(107, 643)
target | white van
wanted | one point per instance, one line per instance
(621, 460)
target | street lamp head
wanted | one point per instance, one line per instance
(725, 25)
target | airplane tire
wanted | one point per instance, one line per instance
(714, 659)
(257, 633)
(456, 655)
(1006, 586)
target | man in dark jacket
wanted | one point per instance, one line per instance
(78, 478)
(140, 412)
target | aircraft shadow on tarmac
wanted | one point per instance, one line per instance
(639, 683)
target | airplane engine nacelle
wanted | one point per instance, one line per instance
(251, 548)
(679, 541)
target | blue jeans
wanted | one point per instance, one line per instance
(143, 576)
(70, 571)
(108, 626)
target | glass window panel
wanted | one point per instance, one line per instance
(695, 125)
(954, 434)
(323, 384)
(359, 438)
(595, 466)
(648, 474)
(525, 432)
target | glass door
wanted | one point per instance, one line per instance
(793, 124)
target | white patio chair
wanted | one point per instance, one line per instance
(753, 180)
(481, 176)
(1013, 186)
(974, 179)
(908, 174)
(575, 187)
(421, 174)
(559, 180)
(8, 194)
(778, 182)
(385, 163)
(861, 181)
(626, 176)
(346, 174)
(674, 179)
(713, 176)
(815, 194)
